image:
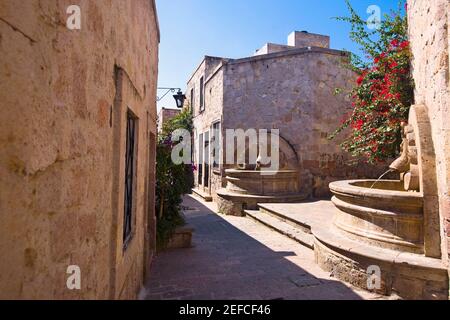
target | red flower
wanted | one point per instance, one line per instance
(395, 43)
(358, 125)
(360, 80)
(404, 44)
(375, 148)
(393, 64)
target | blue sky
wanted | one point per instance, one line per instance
(191, 29)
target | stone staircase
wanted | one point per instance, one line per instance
(311, 225)
(295, 220)
(294, 229)
(202, 194)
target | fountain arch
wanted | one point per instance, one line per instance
(249, 184)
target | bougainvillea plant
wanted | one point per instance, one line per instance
(383, 91)
(172, 180)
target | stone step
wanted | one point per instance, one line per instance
(303, 225)
(298, 234)
(205, 196)
(404, 274)
(408, 275)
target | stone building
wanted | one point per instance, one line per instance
(286, 87)
(389, 236)
(407, 235)
(165, 115)
(429, 36)
(77, 141)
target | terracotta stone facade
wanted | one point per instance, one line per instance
(429, 35)
(165, 115)
(286, 87)
(66, 96)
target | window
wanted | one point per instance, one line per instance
(130, 178)
(192, 99)
(200, 160)
(215, 140)
(202, 94)
(206, 161)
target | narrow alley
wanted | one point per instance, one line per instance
(236, 258)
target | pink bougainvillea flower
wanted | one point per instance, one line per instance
(358, 124)
(404, 44)
(395, 43)
(360, 80)
(381, 99)
(393, 64)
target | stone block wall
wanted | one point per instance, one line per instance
(64, 95)
(165, 115)
(429, 36)
(272, 48)
(212, 73)
(293, 91)
(297, 39)
(303, 39)
(214, 93)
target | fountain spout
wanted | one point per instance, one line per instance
(258, 163)
(407, 163)
(402, 164)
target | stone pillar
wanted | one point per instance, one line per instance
(429, 36)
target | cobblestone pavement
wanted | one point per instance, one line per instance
(236, 258)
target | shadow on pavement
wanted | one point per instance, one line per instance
(228, 264)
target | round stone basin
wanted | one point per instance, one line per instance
(384, 216)
(262, 183)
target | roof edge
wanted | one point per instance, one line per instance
(200, 64)
(292, 52)
(155, 10)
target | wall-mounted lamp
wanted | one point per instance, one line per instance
(179, 96)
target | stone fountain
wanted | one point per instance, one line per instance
(249, 184)
(385, 213)
(390, 224)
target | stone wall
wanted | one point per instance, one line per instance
(64, 96)
(294, 92)
(165, 115)
(214, 98)
(272, 48)
(429, 36)
(305, 39)
(212, 73)
(297, 39)
(207, 69)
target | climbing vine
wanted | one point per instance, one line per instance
(383, 91)
(172, 180)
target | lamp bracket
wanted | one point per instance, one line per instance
(167, 91)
